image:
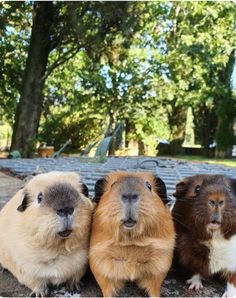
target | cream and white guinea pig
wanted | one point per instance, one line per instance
(44, 232)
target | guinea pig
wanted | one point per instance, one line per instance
(132, 237)
(44, 232)
(205, 221)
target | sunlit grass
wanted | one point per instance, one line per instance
(225, 162)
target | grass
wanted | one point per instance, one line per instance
(225, 162)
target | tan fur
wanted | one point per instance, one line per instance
(29, 245)
(143, 254)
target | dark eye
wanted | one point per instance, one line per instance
(221, 203)
(197, 188)
(113, 183)
(212, 203)
(148, 186)
(40, 197)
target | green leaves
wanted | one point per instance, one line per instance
(142, 61)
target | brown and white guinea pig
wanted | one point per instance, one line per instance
(132, 236)
(205, 221)
(44, 232)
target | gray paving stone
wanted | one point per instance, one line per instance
(170, 170)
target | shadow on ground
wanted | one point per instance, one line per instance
(174, 286)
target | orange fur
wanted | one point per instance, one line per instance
(143, 254)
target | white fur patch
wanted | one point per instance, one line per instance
(222, 253)
(195, 282)
(230, 291)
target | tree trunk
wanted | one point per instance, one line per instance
(141, 148)
(110, 131)
(29, 108)
(205, 128)
(129, 130)
(177, 122)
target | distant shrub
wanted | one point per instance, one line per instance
(61, 126)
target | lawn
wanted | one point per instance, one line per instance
(225, 162)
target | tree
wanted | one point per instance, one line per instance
(226, 111)
(14, 33)
(144, 65)
(198, 43)
(112, 86)
(29, 108)
(65, 28)
(171, 64)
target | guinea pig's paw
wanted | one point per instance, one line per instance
(230, 291)
(195, 282)
(227, 294)
(73, 287)
(35, 294)
(43, 291)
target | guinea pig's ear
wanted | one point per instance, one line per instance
(84, 189)
(161, 189)
(25, 202)
(99, 189)
(180, 188)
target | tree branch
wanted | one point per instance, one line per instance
(61, 60)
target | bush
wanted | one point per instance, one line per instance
(82, 131)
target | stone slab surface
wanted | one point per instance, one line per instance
(170, 170)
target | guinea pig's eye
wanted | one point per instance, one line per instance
(221, 203)
(113, 183)
(148, 186)
(212, 203)
(40, 197)
(197, 189)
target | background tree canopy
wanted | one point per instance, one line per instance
(76, 69)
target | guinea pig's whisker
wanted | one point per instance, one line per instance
(180, 222)
(176, 213)
(182, 200)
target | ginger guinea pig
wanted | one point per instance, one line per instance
(44, 232)
(132, 236)
(205, 220)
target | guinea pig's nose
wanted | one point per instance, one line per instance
(65, 211)
(130, 197)
(216, 219)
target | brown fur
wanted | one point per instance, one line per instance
(30, 246)
(231, 278)
(143, 253)
(200, 199)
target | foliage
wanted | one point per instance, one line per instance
(225, 134)
(5, 135)
(144, 65)
(65, 124)
(200, 44)
(15, 25)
